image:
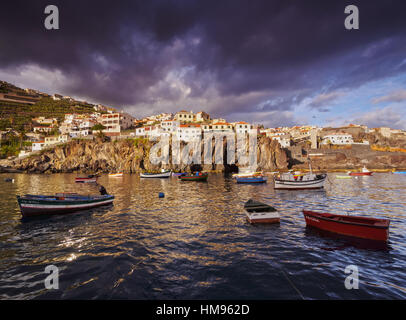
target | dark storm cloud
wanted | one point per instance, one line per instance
(256, 55)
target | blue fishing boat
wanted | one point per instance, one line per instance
(251, 179)
(400, 172)
(35, 205)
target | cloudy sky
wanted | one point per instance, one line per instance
(272, 62)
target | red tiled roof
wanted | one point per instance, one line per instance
(189, 125)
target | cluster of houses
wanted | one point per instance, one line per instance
(184, 125)
(187, 125)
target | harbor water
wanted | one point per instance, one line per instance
(195, 243)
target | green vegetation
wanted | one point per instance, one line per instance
(19, 115)
(139, 141)
(10, 146)
(98, 127)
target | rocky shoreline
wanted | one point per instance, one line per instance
(132, 155)
(129, 156)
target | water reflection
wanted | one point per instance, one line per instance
(196, 243)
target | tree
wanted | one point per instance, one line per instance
(99, 127)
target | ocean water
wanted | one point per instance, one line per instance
(196, 244)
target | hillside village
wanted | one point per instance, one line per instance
(53, 125)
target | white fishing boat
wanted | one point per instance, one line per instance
(115, 175)
(288, 181)
(162, 174)
(258, 212)
(308, 181)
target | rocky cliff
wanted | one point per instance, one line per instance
(131, 155)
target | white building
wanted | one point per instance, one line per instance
(49, 141)
(43, 129)
(149, 131)
(221, 127)
(115, 122)
(43, 120)
(340, 139)
(37, 146)
(241, 127)
(189, 132)
(169, 126)
(185, 116)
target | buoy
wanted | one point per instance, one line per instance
(161, 195)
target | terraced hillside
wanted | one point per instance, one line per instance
(18, 115)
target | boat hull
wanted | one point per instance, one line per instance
(115, 175)
(358, 227)
(251, 179)
(299, 185)
(263, 217)
(156, 175)
(360, 174)
(38, 206)
(194, 178)
(85, 180)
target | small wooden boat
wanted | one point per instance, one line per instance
(35, 205)
(89, 179)
(252, 179)
(162, 174)
(258, 212)
(353, 226)
(363, 172)
(115, 175)
(198, 176)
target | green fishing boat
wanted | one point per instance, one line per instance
(199, 176)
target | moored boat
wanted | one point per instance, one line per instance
(115, 175)
(399, 172)
(342, 177)
(35, 205)
(287, 181)
(258, 212)
(246, 172)
(198, 176)
(353, 226)
(252, 179)
(363, 172)
(89, 179)
(162, 174)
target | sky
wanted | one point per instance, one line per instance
(278, 63)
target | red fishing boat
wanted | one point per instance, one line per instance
(363, 172)
(89, 179)
(358, 227)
